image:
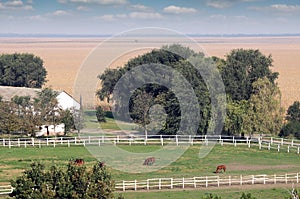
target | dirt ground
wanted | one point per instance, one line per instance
(65, 57)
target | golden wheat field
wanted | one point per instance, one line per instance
(65, 57)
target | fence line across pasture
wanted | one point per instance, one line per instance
(205, 182)
(194, 182)
(269, 143)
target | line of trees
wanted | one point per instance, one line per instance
(253, 96)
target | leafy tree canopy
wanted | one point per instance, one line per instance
(244, 67)
(22, 70)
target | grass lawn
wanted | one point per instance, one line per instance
(90, 121)
(234, 193)
(239, 160)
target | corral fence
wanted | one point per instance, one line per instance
(6, 189)
(270, 143)
(194, 182)
(205, 182)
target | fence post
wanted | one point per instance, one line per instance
(264, 179)
(195, 183)
(229, 180)
(135, 185)
(40, 144)
(159, 183)
(3, 141)
(252, 179)
(220, 138)
(47, 140)
(288, 149)
(235, 143)
(89, 139)
(54, 143)
(9, 143)
(19, 142)
(25, 143)
(232, 139)
(271, 140)
(147, 184)
(298, 150)
(32, 141)
(292, 143)
(269, 146)
(218, 181)
(124, 186)
(83, 142)
(68, 143)
(274, 178)
(176, 138)
(161, 140)
(286, 178)
(75, 140)
(183, 182)
(61, 140)
(249, 145)
(278, 148)
(281, 141)
(99, 142)
(222, 143)
(297, 180)
(241, 180)
(206, 181)
(171, 183)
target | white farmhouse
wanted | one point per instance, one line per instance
(65, 101)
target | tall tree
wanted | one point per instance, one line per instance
(244, 67)
(264, 115)
(22, 70)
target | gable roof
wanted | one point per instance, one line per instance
(8, 92)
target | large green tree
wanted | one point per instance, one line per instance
(176, 57)
(292, 126)
(22, 70)
(244, 67)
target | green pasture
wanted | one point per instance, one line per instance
(233, 193)
(239, 160)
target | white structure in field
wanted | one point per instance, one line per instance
(65, 101)
(51, 130)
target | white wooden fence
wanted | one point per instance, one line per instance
(204, 182)
(195, 182)
(270, 143)
(5, 189)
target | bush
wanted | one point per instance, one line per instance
(74, 182)
(100, 114)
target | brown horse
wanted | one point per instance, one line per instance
(79, 162)
(149, 161)
(101, 164)
(220, 168)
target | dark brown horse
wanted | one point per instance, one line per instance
(149, 161)
(101, 164)
(220, 168)
(79, 162)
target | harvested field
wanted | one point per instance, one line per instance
(64, 56)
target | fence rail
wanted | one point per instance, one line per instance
(6, 189)
(194, 182)
(204, 182)
(269, 143)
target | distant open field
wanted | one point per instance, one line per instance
(63, 57)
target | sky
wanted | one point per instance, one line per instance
(102, 17)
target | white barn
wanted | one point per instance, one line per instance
(65, 101)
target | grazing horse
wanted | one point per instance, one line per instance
(220, 168)
(149, 161)
(79, 162)
(101, 164)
